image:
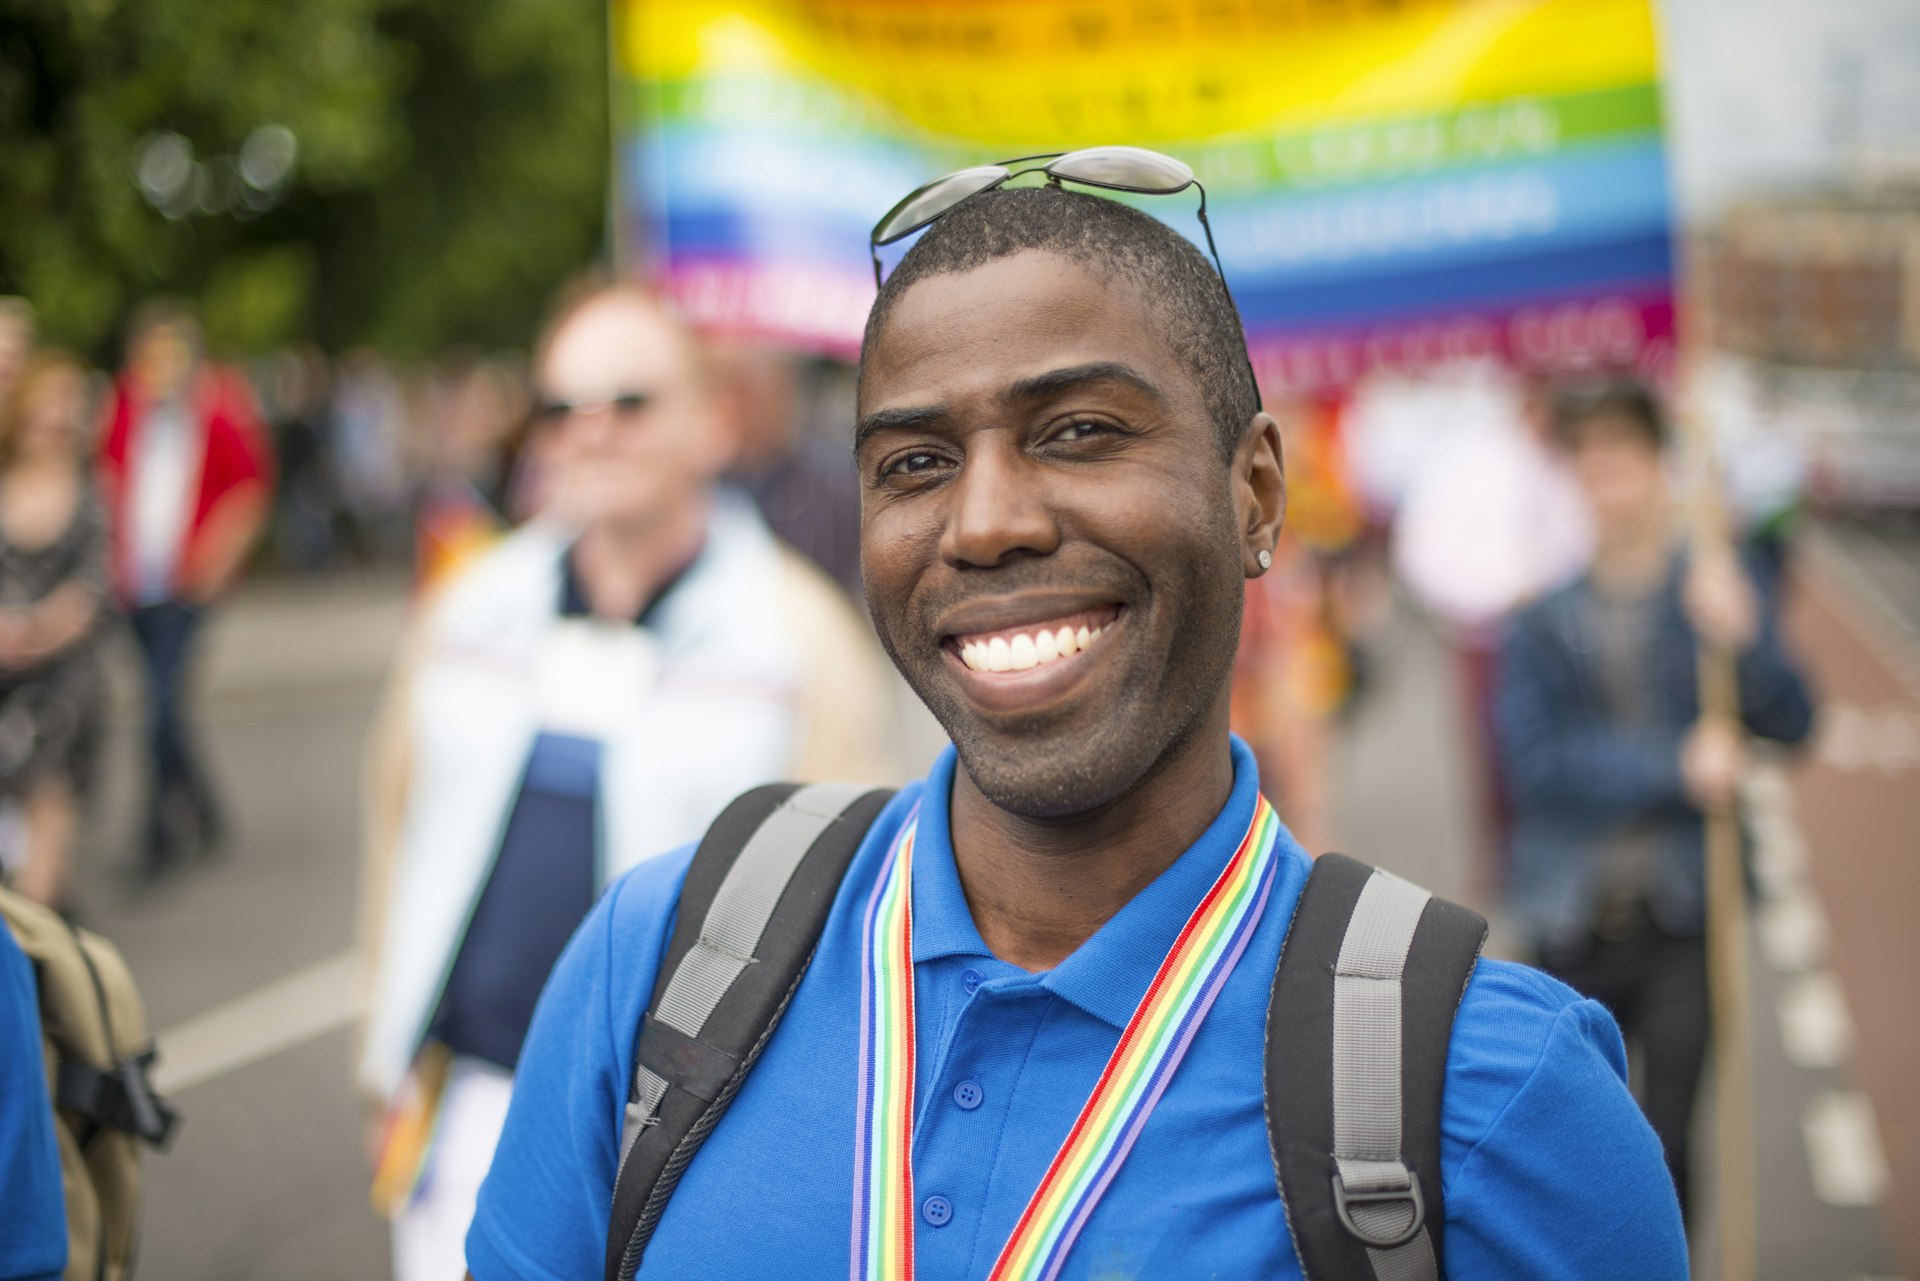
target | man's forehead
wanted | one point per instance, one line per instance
(613, 343)
(1008, 320)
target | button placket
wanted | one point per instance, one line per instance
(955, 1144)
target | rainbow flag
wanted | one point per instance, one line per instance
(1393, 183)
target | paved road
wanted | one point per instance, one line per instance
(241, 960)
(266, 1179)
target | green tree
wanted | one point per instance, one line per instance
(449, 164)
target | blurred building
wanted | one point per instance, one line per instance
(1832, 282)
(1811, 306)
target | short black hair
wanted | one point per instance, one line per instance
(1111, 240)
(1577, 405)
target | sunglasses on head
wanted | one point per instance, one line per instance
(626, 404)
(1112, 168)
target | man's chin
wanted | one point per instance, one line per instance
(1036, 785)
(1046, 765)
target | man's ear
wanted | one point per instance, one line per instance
(1260, 492)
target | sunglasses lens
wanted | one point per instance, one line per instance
(1132, 168)
(549, 412)
(934, 199)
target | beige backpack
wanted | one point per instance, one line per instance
(98, 1052)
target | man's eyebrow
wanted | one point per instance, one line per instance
(1056, 381)
(906, 419)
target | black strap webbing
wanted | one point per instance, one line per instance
(1300, 1067)
(120, 1097)
(724, 983)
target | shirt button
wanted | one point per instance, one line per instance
(969, 1095)
(937, 1210)
(971, 981)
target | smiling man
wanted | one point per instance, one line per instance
(1077, 916)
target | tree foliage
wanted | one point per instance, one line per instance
(451, 164)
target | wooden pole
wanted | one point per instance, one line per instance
(1729, 983)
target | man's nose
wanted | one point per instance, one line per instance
(997, 509)
(591, 424)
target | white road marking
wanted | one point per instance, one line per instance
(259, 1024)
(1814, 1023)
(1793, 931)
(1882, 739)
(1843, 1147)
(1779, 850)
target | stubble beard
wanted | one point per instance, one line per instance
(1051, 766)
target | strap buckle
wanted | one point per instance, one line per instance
(1344, 1199)
(121, 1097)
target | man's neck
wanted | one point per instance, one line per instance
(1039, 888)
(622, 567)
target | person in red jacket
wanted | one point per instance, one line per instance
(186, 473)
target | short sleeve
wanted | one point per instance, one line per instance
(33, 1220)
(1553, 1173)
(543, 1210)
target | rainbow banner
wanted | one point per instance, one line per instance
(1393, 183)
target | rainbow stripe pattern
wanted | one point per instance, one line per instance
(1393, 183)
(1150, 1050)
(883, 1128)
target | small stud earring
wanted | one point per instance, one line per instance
(1266, 559)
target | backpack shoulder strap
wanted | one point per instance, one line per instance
(1369, 979)
(754, 903)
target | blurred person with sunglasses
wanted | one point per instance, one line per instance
(590, 690)
(999, 1060)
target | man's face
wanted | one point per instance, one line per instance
(1621, 473)
(641, 439)
(162, 361)
(1052, 545)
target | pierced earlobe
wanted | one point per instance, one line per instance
(1266, 560)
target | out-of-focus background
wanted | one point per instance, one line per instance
(1430, 213)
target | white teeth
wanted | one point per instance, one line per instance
(1024, 651)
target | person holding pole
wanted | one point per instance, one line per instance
(1612, 769)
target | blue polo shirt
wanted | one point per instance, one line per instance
(33, 1215)
(1548, 1167)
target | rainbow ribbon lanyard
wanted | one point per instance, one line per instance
(1155, 1040)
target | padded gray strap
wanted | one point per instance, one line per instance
(734, 923)
(1374, 1188)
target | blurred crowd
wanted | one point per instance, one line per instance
(145, 491)
(636, 552)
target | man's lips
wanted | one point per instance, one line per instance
(1010, 656)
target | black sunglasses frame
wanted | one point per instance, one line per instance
(875, 241)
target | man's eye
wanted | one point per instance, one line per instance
(912, 464)
(1080, 429)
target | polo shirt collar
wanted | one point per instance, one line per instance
(1109, 973)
